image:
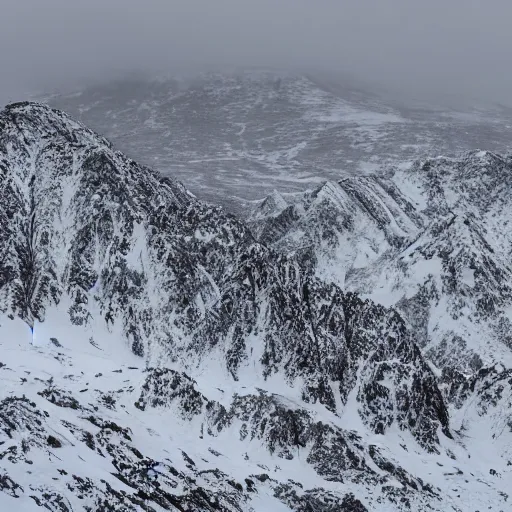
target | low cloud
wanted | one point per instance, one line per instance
(457, 47)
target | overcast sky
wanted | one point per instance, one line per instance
(442, 46)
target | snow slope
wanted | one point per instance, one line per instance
(432, 241)
(156, 356)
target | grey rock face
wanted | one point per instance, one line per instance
(431, 241)
(127, 239)
(244, 346)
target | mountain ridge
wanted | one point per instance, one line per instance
(108, 269)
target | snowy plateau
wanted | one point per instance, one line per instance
(347, 348)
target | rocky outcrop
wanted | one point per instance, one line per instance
(430, 241)
(241, 342)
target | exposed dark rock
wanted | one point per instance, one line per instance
(105, 242)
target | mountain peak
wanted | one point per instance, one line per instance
(129, 309)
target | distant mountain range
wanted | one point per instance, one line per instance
(234, 137)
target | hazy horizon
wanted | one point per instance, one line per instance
(454, 48)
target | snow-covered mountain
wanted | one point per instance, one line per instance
(157, 356)
(235, 136)
(432, 241)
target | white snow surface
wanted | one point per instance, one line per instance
(85, 420)
(87, 372)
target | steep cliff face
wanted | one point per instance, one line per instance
(87, 225)
(431, 240)
(107, 268)
(93, 231)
